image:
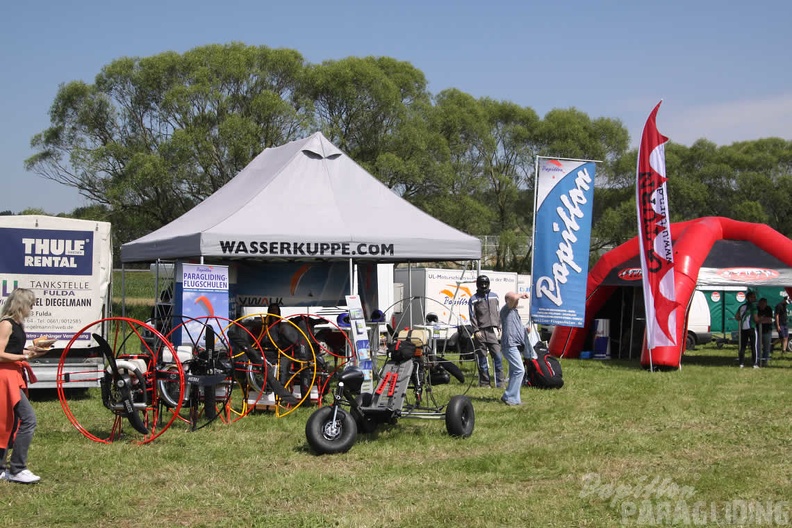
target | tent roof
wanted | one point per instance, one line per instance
(305, 200)
(729, 263)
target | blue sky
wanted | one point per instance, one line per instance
(722, 71)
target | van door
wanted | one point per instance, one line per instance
(699, 330)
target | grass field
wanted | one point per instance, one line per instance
(706, 445)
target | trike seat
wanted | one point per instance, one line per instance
(392, 387)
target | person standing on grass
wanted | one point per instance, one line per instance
(781, 319)
(17, 419)
(513, 346)
(747, 315)
(765, 314)
(483, 310)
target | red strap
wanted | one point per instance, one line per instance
(383, 383)
(389, 381)
(393, 381)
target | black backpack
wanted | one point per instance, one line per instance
(402, 350)
(544, 372)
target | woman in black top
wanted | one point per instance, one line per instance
(17, 419)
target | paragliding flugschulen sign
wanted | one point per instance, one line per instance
(202, 299)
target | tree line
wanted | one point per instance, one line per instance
(154, 136)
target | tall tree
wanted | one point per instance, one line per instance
(509, 154)
(154, 136)
(361, 103)
(455, 196)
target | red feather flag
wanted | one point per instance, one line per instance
(654, 235)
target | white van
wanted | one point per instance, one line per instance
(699, 331)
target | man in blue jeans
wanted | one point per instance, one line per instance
(513, 346)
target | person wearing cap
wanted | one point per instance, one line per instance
(748, 316)
(781, 321)
(484, 314)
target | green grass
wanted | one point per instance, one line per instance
(564, 458)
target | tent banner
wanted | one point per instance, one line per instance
(747, 277)
(654, 237)
(562, 233)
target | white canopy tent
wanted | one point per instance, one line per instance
(305, 200)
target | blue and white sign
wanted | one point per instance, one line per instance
(46, 252)
(201, 299)
(562, 234)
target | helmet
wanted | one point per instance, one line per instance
(377, 316)
(431, 317)
(343, 320)
(482, 282)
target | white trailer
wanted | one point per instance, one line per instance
(446, 293)
(68, 263)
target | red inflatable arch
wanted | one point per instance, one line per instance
(693, 241)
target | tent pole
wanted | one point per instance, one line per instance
(351, 278)
(409, 292)
(123, 292)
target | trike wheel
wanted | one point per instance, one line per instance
(330, 430)
(459, 417)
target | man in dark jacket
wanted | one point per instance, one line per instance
(484, 314)
(781, 321)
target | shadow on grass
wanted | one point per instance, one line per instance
(627, 364)
(710, 360)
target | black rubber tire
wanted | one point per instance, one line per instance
(326, 438)
(453, 370)
(690, 343)
(459, 417)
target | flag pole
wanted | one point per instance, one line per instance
(533, 230)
